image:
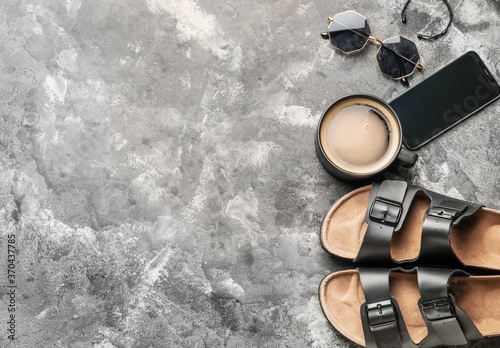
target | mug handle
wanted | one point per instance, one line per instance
(406, 158)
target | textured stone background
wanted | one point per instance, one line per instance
(158, 165)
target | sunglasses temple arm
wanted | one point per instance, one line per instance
(404, 80)
(324, 35)
(403, 12)
(435, 36)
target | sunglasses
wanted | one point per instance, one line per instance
(397, 57)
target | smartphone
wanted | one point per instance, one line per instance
(445, 98)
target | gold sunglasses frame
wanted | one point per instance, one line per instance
(377, 42)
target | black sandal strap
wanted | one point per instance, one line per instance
(388, 206)
(441, 215)
(448, 324)
(384, 214)
(380, 314)
(383, 322)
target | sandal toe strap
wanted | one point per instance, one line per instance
(448, 324)
(441, 215)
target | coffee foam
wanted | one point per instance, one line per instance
(360, 135)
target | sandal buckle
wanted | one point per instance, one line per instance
(444, 212)
(381, 315)
(438, 310)
(386, 212)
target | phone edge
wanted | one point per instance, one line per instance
(477, 58)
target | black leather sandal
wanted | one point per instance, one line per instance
(424, 307)
(405, 223)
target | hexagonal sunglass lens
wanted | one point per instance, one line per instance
(398, 57)
(349, 31)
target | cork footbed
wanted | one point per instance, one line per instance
(341, 297)
(475, 240)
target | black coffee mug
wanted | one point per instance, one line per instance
(359, 137)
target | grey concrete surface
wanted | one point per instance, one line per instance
(158, 166)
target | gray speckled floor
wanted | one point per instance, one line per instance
(159, 170)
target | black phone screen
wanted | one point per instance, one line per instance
(445, 98)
